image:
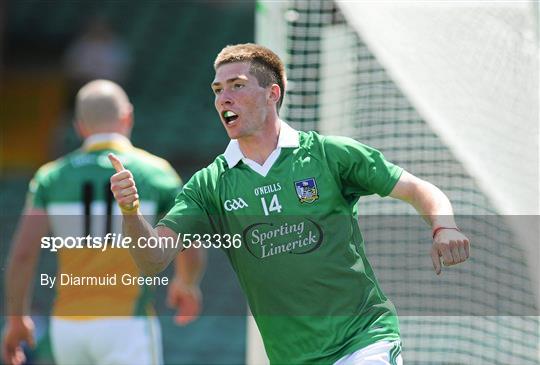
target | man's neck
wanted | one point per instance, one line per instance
(260, 145)
(105, 140)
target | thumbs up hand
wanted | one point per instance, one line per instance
(123, 187)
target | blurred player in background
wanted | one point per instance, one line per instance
(95, 324)
(98, 53)
(293, 197)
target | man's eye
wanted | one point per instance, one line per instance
(238, 86)
(217, 91)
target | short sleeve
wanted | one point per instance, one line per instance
(360, 169)
(169, 185)
(190, 211)
(37, 189)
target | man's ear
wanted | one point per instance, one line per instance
(81, 129)
(275, 93)
(126, 120)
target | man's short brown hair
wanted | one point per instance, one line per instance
(265, 65)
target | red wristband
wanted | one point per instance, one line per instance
(436, 230)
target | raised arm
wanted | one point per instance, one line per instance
(434, 206)
(150, 259)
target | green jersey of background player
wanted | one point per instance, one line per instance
(292, 197)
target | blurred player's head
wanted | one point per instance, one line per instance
(248, 88)
(103, 107)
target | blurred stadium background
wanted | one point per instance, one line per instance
(447, 90)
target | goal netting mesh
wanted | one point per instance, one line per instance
(450, 93)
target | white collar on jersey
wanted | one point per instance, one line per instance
(100, 138)
(288, 137)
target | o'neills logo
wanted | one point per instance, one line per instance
(264, 240)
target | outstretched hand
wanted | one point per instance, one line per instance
(452, 246)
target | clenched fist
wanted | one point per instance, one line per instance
(451, 245)
(123, 187)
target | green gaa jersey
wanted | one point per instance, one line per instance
(301, 262)
(75, 192)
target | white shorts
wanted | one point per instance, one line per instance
(109, 341)
(380, 353)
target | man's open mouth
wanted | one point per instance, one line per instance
(229, 116)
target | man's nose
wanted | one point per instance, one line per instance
(224, 98)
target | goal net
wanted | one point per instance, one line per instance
(448, 91)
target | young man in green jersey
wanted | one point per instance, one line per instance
(96, 319)
(291, 198)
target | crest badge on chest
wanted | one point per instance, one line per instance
(306, 190)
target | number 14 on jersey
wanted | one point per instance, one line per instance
(273, 207)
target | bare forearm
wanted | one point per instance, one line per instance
(150, 259)
(428, 200)
(190, 266)
(18, 283)
(22, 262)
(436, 209)
(433, 205)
